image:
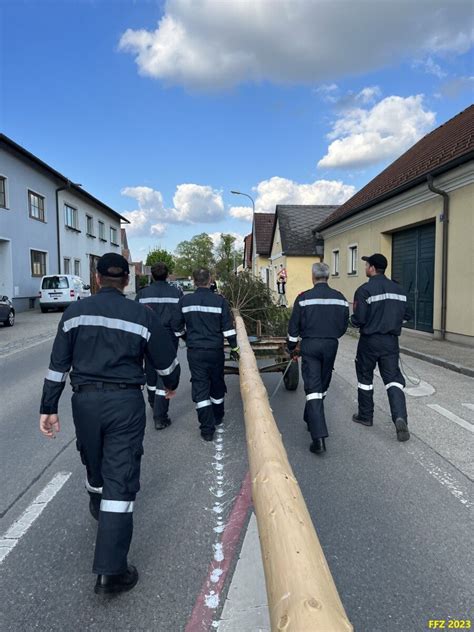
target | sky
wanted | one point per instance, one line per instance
(160, 109)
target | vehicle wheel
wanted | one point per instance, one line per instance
(43, 309)
(10, 321)
(292, 377)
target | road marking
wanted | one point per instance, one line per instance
(470, 406)
(31, 513)
(452, 417)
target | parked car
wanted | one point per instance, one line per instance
(57, 291)
(7, 312)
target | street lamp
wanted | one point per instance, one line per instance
(246, 195)
(253, 217)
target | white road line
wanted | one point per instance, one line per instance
(33, 511)
(470, 406)
(452, 417)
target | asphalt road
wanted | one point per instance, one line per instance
(394, 519)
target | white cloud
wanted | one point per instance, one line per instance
(430, 67)
(243, 213)
(363, 137)
(216, 237)
(279, 190)
(193, 204)
(210, 44)
(369, 94)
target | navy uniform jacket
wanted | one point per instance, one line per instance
(380, 307)
(321, 312)
(163, 299)
(104, 338)
(207, 319)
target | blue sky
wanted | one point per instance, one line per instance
(160, 109)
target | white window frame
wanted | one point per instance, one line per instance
(37, 193)
(77, 266)
(336, 262)
(101, 230)
(113, 229)
(5, 180)
(90, 233)
(67, 265)
(352, 270)
(75, 225)
(45, 252)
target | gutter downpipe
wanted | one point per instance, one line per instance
(58, 235)
(444, 218)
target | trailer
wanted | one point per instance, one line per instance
(271, 348)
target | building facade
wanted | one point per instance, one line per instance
(48, 225)
(419, 213)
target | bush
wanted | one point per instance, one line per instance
(254, 301)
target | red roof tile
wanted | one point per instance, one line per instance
(442, 148)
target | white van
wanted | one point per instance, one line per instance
(57, 291)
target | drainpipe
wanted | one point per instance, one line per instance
(444, 218)
(58, 235)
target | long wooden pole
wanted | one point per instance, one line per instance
(302, 596)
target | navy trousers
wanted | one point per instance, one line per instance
(207, 386)
(156, 389)
(318, 356)
(109, 429)
(381, 349)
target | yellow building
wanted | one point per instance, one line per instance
(294, 247)
(419, 213)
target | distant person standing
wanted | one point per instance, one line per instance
(282, 278)
(380, 308)
(103, 340)
(163, 299)
(320, 317)
(205, 319)
(213, 286)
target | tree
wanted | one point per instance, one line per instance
(194, 253)
(228, 257)
(160, 254)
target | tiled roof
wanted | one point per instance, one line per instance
(263, 232)
(450, 144)
(296, 224)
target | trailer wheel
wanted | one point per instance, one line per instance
(292, 377)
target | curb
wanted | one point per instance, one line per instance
(452, 366)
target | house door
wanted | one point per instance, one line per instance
(6, 268)
(413, 253)
(93, 269)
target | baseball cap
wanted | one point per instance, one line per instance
(113, 260)
(377, 260)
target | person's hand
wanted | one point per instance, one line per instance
(235, 354)
(49, 425)
(169, 393)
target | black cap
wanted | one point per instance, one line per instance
(113, 260)
(377, 260)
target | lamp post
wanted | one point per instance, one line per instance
(253, 216)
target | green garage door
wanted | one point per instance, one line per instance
(413, 254)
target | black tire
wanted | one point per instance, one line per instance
(10, 321)
(43, 309)
(292, 377)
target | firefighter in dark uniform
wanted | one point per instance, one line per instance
(320, 317)
(104, 339)
(380, 308)
(163, 299)
(205, 319)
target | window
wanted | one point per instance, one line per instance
(102, 231)
(113, 236)
(90, 226)
(38, 263)
(3, 192)
(36, 206)
(335, 262)
(70, 217)
(352, 259)
(77, 267)
(67, 265)
(55, 283)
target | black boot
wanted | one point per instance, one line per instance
(318, 446)
(207, 436)
(402, 429)
(109, 584)
(162, 422)
(360, 420)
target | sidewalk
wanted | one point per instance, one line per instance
(449, 355)
(31, 328)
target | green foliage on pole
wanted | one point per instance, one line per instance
(196, 252)
(160, 254)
